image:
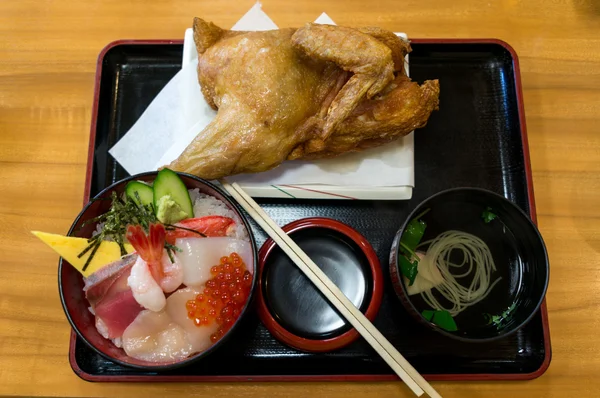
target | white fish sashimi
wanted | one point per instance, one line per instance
(154, 337)
(428, 276)
(173, 273)
(145, 289)
(199, 336)
(199, 255)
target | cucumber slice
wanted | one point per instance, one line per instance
(145, 192)
(167, 182)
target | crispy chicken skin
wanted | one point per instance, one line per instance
(314, 92)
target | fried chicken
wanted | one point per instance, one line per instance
(314, 92)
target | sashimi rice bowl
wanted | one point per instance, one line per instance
(157, 270)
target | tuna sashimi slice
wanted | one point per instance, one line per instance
(117, 312)
(110, 297)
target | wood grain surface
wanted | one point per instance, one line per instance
(48, 51)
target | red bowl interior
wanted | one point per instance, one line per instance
(326, 344)
(70, 281)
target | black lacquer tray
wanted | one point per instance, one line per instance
(477, 138)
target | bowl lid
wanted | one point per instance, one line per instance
(293, 309)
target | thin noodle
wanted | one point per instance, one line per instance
(476, 254)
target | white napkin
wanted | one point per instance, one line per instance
(179, 113)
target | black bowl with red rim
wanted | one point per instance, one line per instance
(518, 251)
(293, 309)
(70, 281)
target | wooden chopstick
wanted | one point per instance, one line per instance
(382, 346)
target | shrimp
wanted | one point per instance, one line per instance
(146, 291)
(173, 274)
(168, 274)
(148, 271)
(150, 248)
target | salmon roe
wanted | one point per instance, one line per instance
(223, 297)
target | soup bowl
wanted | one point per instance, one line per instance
(518, 252)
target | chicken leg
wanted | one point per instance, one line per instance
(317, 91)
(368, 59)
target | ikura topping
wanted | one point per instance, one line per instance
(223, 297)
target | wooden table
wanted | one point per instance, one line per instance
(48, 52)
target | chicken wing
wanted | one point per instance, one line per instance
(313, 92)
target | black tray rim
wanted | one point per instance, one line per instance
(321, 378)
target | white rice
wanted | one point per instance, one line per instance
(98, 229)
(101, 327)
(206, 205)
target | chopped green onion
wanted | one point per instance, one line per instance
(502, 319)
(413, 234)
(488, 215)
(408, 269)
(441, 318)
(427, 314)
(409, 253)
(408, 260)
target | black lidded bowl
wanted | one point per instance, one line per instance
(518, 251)
(70, 281)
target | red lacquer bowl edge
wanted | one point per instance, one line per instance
(344, 339)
